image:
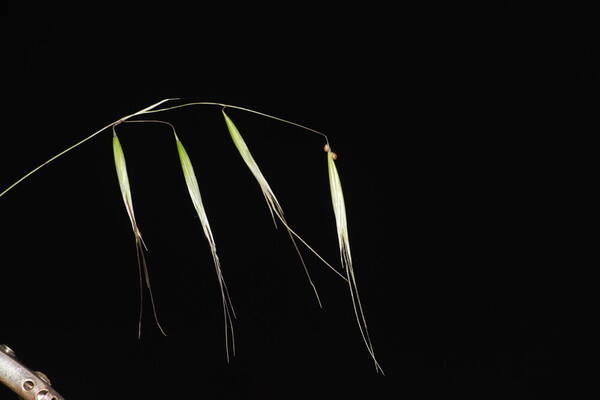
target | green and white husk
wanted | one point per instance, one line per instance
(339, 210)
(194, 190)
(121, 168)
(272, 202)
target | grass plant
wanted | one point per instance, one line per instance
(347, 273)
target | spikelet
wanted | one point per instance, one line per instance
(121, 168)
(194, 190)
(272, 202)
(339, 210)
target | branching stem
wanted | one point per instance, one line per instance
(210, 103)
(148, 110)
(154, 121)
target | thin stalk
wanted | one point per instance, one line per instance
(144, 110)
(153, 121)
(55, 157)
(210, 103)
(148, 110)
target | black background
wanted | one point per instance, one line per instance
(461, 136)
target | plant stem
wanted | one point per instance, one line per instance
(81, 142)
(148, 110)
(154, 121)
(210, 103)
(54, 158)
